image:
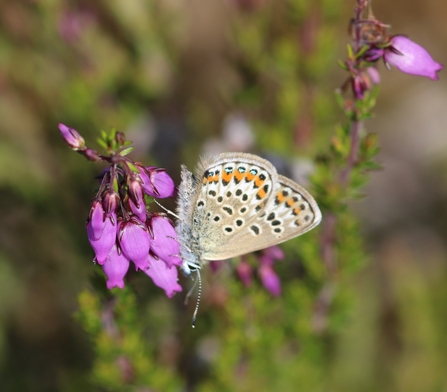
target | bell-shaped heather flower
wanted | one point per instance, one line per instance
(134, 242)
(411, 58)
(101, 231)
(267, 275)
(163, 276)
(164, 242)
(245, 272)
(156, 182)
(115, 268)
(136, 199)
(270, 280)
(72, 137)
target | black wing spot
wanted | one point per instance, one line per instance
(241, 169)
(276, 223)
(302, 207)
(262, 177)
(297, 223)
(245, 197)
(238, 192)
(200, 203)
(228, 194)
(228, 229)
(271, 216)
(307, 218)
(257, 208)
(243, 210)
(277, 230)
(220, 199)
(217, 218)
(212, 193)
(228, 210)
(239, 222)
(255, 229)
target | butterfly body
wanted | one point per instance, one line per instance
(237, 203)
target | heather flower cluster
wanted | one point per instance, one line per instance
(371, 44)
(120, 229)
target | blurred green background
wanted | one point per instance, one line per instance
(174, 75)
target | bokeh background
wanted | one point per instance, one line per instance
(184, 77)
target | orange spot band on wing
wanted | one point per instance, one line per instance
(250, 176)
(290, 202)
(258, 181)
(296, 210)
(205, 180)
(239, 176)
(227, 176)
(261, 193)
(280, 196)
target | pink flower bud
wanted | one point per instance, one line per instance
(164, 242)
(136, 199)
(134, 242)
(92, 155)
(110, 202)
(163, 276)
(72, 137)
(115, 268)
(411, 58)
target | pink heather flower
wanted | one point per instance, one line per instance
(270, 280)
(268, 276)
(72, 137)
(273, 252)
(156, 182)
(101, 232)
(115, 268)
(163, 276)
(411, 58)
(134, 242)
(245, 272)
(164, 242)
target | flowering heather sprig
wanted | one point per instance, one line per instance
(120, 229)
(372, 43)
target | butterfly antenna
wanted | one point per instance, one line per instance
(199, 293)
(191, 290)
(167, 211)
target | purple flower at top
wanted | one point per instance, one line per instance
(411, 58)
(101, 231)
(72, 137)
(163, 276)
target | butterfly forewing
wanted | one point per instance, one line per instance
(234, 192)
